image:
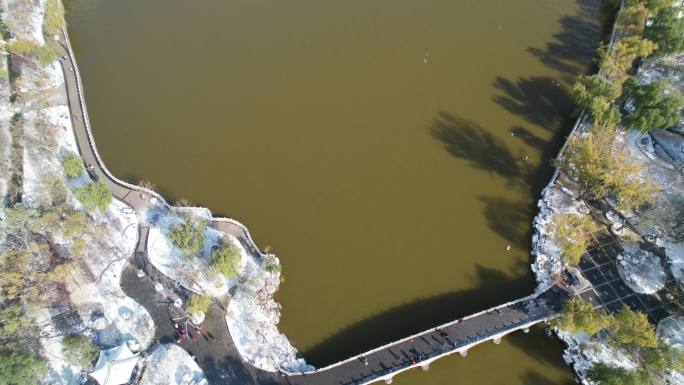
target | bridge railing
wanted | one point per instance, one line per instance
(414, 336)
(396, 369)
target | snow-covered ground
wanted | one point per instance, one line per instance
(253, 314)
(169, 364)
(193, 273)
(102, 310)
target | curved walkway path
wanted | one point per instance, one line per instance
(215, 352)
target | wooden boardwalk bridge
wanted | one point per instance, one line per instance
(421, 349)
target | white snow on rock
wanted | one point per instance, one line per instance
(192, 273)
(675, 255)
(584, 352)
(169, 364)
(253, 318)
(671, 331)
(641, 270)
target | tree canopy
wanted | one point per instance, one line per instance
(19, 368)
(572, 234)
(667, 29)
(72, 165)
(79, 350)
(226, 259)
(199, 303)
(609, 375)
(657, 105)
(593, 162)
(632, 328)
(94, 196)
(596, 96)
(189, 236)
(578, 316)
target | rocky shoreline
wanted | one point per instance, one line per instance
(648, 262)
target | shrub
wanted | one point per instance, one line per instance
(571, 233)
(226, 259)
(579, 316)
(199, 303)
(75, 224)
(79, 350)
(21, 47)
(274, 268)
(632, 328)
(54, 17)
(189, 237)
(21, 368)
(72, 165)
(94, 196)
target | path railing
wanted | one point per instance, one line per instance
(583, 115)
(103, 167)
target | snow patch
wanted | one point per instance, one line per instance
(192, 273)
(169, 364)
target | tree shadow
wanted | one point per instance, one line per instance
(533, 378)
(467, 140)
(539, 346)
(418, 315)
(577, 40)
(510, 219)
(540, 100)
(529, 138)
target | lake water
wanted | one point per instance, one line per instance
(389, 151)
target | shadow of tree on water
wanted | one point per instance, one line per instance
(533, 378)
(492, 287)
(540, 100)
(576, 42)
(467, 140)
(510, 219)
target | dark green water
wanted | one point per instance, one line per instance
(388, 151)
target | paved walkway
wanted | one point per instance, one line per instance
(215, 352)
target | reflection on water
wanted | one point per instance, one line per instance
(389, 151)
